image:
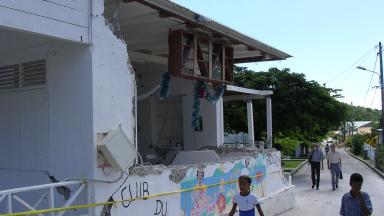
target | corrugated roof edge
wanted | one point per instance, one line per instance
(190, 15)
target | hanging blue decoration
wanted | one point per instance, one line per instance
(216, 96)
(201, 91)
(196, 105)
(165, 84)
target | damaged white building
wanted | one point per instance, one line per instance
(115, 107)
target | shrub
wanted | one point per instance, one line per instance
(358, 142)
(288, 145)
(348, 141)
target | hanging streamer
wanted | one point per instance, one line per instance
(165, 84)
(196, 105)
(216, 96)
(201, 91)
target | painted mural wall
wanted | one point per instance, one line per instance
(196, 190)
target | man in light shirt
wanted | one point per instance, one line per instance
(334, 163)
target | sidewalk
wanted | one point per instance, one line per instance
(325, 202)
(368, 162)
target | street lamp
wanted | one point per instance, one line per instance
(381, 87)
(363, 68)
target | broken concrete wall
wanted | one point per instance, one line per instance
(113, 87)
(174, 190)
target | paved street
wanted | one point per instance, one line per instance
(326, 202)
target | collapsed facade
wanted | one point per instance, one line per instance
(113, 107)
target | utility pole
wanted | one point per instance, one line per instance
(382, 89)
(380, 144)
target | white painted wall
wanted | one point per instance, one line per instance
(62, 19)
(167, 125)
(270, 185)
(212, 115)
(70, 116)
(56, 120)
(54, 123)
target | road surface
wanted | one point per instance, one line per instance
(325, 202)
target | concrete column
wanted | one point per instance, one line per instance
(269, 122)
(220, 117)
(251, 136)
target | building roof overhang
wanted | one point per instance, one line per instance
(145, 24)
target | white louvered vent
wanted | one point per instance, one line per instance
(9, 77)
(33, 73)
(23, 75)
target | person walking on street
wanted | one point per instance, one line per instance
(334, 163)
(326, 149)
(316, 158)
(356, 202)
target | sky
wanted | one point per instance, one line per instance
(326, 38)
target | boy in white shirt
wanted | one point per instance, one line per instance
(245, 199)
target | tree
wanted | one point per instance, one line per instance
(301, 109)
(358, 113)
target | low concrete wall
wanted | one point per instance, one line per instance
(174, 190)
(279, 202)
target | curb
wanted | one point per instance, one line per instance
(298, 167)
(381, 174)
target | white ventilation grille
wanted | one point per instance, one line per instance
(23, 75)
(33, 73)
(9, 77)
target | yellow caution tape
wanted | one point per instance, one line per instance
(43, 211)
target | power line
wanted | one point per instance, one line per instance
(360, 61)
(370, 82)
(374, 95)
(353, 64)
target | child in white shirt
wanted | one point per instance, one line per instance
(245, 199)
